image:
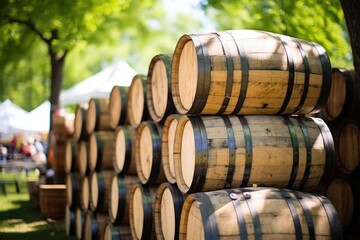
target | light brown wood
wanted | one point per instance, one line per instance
(79, 222)
(167, 210)
(102, 150)
(270, 152)
(77, 191)
(158, 88)
(269, 204)
(201, 87)
(167, 146)
(148, 153)
(59, 158)
(125, 145)
(100, 190)
(118, 105)
(85, 193)
(70, 156)
(349, 146)
(64, 125)
(120, 197)
(141, 214)
(137, 110)
(98, 116)
(343, 98)
(90, 226)
(80, 132)
(52, 200)
(82, 158)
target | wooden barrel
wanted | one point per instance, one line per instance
(100, 190)
(52, 199)
(344, 95)
(249, 72)
(111, 232)
(79, 223)
(101, 151)
(168, 203)
(158, 88)
(216, 152)
(148, 153)
(167, 146)
(258, 213)
(98, 116)
(125, 147)
(141, 211)
(77, 191)
(70, 156)
(118, 104)
(137, 109)
(120, 187)
(347, 144)
(91, 227)
(63, 125)
(80, 132)
(343, 192)
(70, 224)
(82, 158)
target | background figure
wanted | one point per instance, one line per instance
(4, 153)
(39, 155)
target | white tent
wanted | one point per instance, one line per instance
(9, 112)
(36, 121)
(98, 85)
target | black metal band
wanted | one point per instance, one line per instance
(232, 148)
(254, 216)
(178, 199)
(204, 76)
(295, 146)
(124, 100)
(121, 199)
(128, 149)
(307, 215)
(294, 213)
(207, 214)
(308, 152)
(148, 211)
(333, 218)
(248, 151)
(97, 114)
(291, 67)
(100, 149)
(101, 188)
(230, 72)
(326, 80)
(244, 75)
(156, 149)
(307, 75)
(236, 198)
(201, 154)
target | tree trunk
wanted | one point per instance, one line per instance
(351, 10)
(57, 68)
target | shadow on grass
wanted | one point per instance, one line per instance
(22, 221)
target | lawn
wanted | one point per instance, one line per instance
(20, 220)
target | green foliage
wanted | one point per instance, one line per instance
(317, 21)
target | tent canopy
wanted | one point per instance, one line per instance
(98, 85)
(9, 112)
(36, 121)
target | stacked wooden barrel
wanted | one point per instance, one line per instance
(341, 113)
(214, 142)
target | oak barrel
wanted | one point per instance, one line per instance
(100, 190)
(82, 166)
(167, 146)
(118, 104)
(98, 116)
(120, 188)
(79, 223)
(137, 109)
(344, 193)
(343, 99)
(168, 203)
(59, 158)
(52, 200)
(346, 135)
(70, 221)
(216, 152)
(158, 88)
(70, 156)
(125, 147)
(77, 191)
(258, 213)
(92, 225)
(148, 153)
(102, 150)
(141, 211)
(80, 132)
(111, 232)
(249, 72)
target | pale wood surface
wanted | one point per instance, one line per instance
(115, 106)
(138, 213)
(146, 152)
(188, 148)
(168, 215)
(125, 144)
(85, 193)
(82, 157)
(113, 198)
(79, 220)
(136, 101)
(159, 89)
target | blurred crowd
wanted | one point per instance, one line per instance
(27, 148)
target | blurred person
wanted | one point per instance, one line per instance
(4, 153)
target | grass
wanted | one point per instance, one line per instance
(20, 220)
